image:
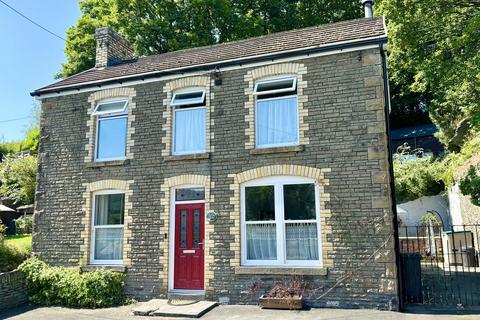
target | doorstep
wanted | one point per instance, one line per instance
(173, 308)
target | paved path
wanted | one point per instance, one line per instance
(221, 313)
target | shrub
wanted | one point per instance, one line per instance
(418, 177)
(470, 185)
(24, 224)
(11, 257)
(72, 288)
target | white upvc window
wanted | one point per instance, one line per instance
(276, 112)
(280, 222)
(107, 227)
(189, 121)
(111, 131)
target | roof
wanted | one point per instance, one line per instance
(25, 207)
(424, 130)
(294, 42)
(4, 208)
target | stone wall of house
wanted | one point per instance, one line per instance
(344, 147)
(13, 292)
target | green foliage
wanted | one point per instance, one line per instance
(22, 242)
(417, 178)
(158, 26)
(430, 218)
(17, 178)
(24, 224)
(11, 257)
(470, 185)
(69, 287)
(434, 57)
(3, 230)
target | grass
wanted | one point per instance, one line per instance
(22, 242)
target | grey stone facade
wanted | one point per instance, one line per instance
(346, 134)
(13, 292)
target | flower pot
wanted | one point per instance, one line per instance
(291, 303)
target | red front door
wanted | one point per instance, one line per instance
(189, 234)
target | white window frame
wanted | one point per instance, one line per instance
(276, 79)
(273, 145)
(174, 112)
(278, 182)
(93, 261)
(103, 115)
(189, 90)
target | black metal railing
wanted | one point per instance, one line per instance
(440, 267)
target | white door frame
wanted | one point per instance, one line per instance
(171, 242)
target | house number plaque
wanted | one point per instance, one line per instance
(212, 216)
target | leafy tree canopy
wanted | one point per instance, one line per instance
(17, 179)
(158, 26)
(434, 58)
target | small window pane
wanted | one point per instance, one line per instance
(188, 98)
(280, 84)
(196, 228)
(108, 244)
(188, 194)
(110, 107)
(277, 122)
(109, 209)
(299, 201)
(260, 203)
(189, 131)
(112, 138)
(183, 229)
(301, 241)
(261, 242)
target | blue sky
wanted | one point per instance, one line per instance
(29, 56)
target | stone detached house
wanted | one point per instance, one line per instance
(211, 170)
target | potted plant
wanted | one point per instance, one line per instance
(284, 296)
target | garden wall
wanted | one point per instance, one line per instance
(13, 292)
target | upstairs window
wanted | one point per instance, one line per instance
(111, 140)
(276, 112)
(189, 121)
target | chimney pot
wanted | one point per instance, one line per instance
(367, 4)
(112, 48)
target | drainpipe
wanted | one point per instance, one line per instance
(367, 4)
(392, 178)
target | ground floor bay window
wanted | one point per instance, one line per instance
(107, 227)
(280, 222)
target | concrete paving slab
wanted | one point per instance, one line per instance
(194, 309)
(175, 308)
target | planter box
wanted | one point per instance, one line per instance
(294, 303)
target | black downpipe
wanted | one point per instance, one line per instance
(392, 179)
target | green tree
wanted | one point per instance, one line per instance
(433, 55)
(17, 179)
(158, 26)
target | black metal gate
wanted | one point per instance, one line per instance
(440, 267)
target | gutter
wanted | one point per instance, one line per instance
(212, 66)
(392, 180)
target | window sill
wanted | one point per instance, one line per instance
(299, 148)
(194, 156)
(100, 164)
(93, 267)
(294, 271)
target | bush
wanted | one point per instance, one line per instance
(470, 186)
(24, 224)
(11, 257)
(418, 177)
(72, 288)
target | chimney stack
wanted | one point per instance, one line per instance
(367, 4)
(111, 48)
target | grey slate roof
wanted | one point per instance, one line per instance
(294, 40)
